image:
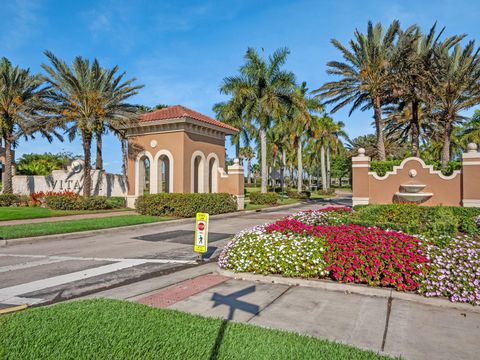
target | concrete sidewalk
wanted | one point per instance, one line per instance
(68, 217)
(384, 324)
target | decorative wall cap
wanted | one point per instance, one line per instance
(425, 166)
(472, 152)
(361, 158)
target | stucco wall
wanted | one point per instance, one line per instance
(103, 184)
(446, 190)
(462, 188)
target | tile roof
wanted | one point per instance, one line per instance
(179, 111)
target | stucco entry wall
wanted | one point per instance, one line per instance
(462, 188)
(446, 190)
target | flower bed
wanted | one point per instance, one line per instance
(321, 244)
(455, 271)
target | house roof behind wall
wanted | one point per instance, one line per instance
(179, 111)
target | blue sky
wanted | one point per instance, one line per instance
(181, 50)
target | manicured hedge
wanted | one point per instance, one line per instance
(381, 167)
(78, 203)
(431, 221)
(185, 205)
(9, 199)
(258, 198)
(294, 194)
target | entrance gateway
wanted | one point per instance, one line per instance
(178, 150)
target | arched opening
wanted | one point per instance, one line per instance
(212, 175)
(144, 175)
(143, 167)
(164, 174)
(198, 172)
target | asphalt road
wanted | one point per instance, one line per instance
(55, 270)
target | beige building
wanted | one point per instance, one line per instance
(180, 150)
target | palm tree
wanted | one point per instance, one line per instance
(248, 153)
(300, 116)
(117, 114)
(471, 130)
(366, 75)
(456, 88)
(265, 90)
(23, 110)
(231, 113)
(413, 64)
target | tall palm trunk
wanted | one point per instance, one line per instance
(328, 167)
(415, 130)
(263, 155)
(87, 177)
(282, 169)
(99, 157)
(447, 134)
(249, 168)
(123, 144)
(300, 166)
(237, 150)
(379, 128)
(7, 185)
(323, 169)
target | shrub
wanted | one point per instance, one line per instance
(9, 199)
(258, 198)
(328, 192)
(61, 202)
(116, 202)
(260, 252)
(185, 205)
(67, 202)
(93, 203)
(381, 167)
(294, 194)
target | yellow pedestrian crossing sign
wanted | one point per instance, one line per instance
(201, 233)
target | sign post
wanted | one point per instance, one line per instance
(200, 244)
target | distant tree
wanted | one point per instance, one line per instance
(43, 164)
(265, 90)
(248, 154)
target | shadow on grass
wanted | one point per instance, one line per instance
(233, 303)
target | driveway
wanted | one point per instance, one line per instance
(41, 272)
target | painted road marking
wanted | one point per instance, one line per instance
(10, 295)
(74, 258)
(13, 291)
(29, 264)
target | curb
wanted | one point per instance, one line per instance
(351, 289)
(82, 234)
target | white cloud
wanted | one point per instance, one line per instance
(21, 20)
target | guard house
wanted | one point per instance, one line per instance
(178, 150)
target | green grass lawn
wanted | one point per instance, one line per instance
(111, 329)
(68, 226)
(23, 213)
